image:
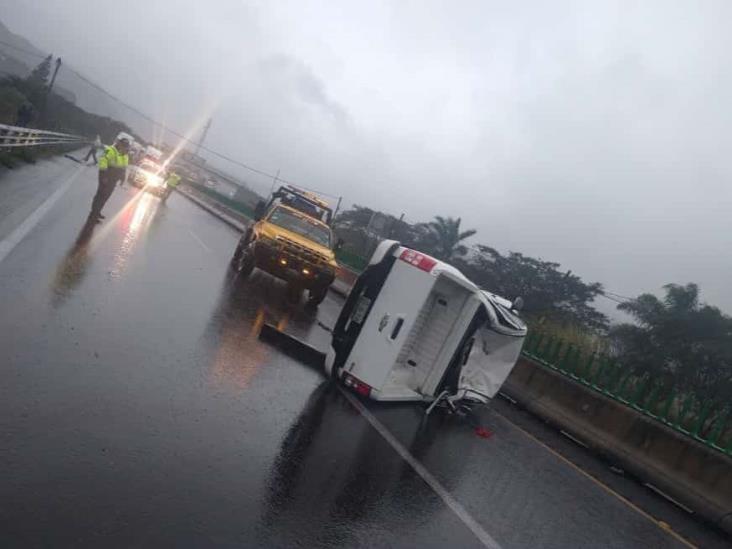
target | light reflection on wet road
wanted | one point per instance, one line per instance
(139, 408)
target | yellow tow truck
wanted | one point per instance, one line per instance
(291, 238)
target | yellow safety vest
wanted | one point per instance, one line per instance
(112, 158)
(173, 180)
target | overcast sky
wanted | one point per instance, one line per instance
(595, 134)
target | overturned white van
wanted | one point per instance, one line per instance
(415, 328)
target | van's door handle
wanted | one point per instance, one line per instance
(397, 328)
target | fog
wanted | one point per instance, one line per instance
(595, 134)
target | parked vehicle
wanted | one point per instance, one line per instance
(148, 175)
(415, 328)
(153, 154)
(291, 240)
(125, 135)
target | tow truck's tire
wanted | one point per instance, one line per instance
(243, 243)
(245, 265)
(316, 296)
(237, 255)
(294, 292)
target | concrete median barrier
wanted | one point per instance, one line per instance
(692, 474)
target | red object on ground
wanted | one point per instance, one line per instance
(483, 432)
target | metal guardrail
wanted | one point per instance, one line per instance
(706, 420)
(15, 136)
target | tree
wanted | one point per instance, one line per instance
(678, 338)
(444, 238)
(357, 217)
(40, 74)
(548, 293)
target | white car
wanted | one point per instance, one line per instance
(148, 176)
(415, 328)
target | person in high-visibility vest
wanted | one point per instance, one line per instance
(171, 182)
(112, 168)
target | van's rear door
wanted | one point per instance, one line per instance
(388, 324)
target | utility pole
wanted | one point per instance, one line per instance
(203, 136)
(274, 182)
(338, 207)
(44, 106)
(55, 72)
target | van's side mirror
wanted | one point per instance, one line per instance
(518, 304)
(339, 244)
(259, 210)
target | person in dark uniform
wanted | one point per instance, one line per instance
(112, 168)
(93, 150)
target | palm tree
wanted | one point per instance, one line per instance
(678, 338)
(444, 238)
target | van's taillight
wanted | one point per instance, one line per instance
(416, 259)
(359, 386)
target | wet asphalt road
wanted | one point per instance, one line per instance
(138, 408)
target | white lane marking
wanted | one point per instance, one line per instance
(485, 538)
(197, 239)
(577, 441)
(21, 231)
(669, 498)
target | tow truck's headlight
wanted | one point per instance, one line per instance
(153, 180)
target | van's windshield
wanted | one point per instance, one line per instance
(301, 225)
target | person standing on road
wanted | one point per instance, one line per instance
(93, 150)
(171, 182)
(24, 115)
(112, 168)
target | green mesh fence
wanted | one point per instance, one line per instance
(706, 420)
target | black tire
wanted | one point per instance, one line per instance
(237, 256)
(294, 292)
(246, 264)
(316, 296)
(243, 243)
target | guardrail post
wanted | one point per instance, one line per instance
(620, 391)
(703, 415)
(718, 431)
(684, 410)
(536, 343)
(585, 371)
(565, 362)
(596, 380)
(667, 409)
(554, 357)
(545, 352)
(635, 399)
(653, 397)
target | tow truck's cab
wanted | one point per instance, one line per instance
(291, 239)
(415, 328)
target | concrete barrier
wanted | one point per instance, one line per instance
(696, 476)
